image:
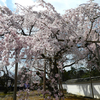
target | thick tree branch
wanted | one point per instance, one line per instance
(90, 30)
(74, 62)
(93, 41)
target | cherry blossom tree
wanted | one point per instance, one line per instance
(85, 22)
(27, 34)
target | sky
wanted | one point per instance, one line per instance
(60, 5)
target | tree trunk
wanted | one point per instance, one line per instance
(60, 84)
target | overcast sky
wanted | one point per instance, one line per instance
(60, 5)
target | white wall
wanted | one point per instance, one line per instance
(83, 89)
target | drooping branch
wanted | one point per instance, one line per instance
(3, 71)
(98, 53)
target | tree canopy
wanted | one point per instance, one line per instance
(37, 35)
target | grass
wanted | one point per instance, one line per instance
(34, 95)
(39, 98)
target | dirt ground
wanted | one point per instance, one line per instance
(40, 98)
(37, 96)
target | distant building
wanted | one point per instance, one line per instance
(6, 81)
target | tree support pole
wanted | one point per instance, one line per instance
(44, 77)
(91, 85)
(15, 83)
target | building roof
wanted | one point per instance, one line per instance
(83, 80)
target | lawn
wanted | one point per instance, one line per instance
(37, 96)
